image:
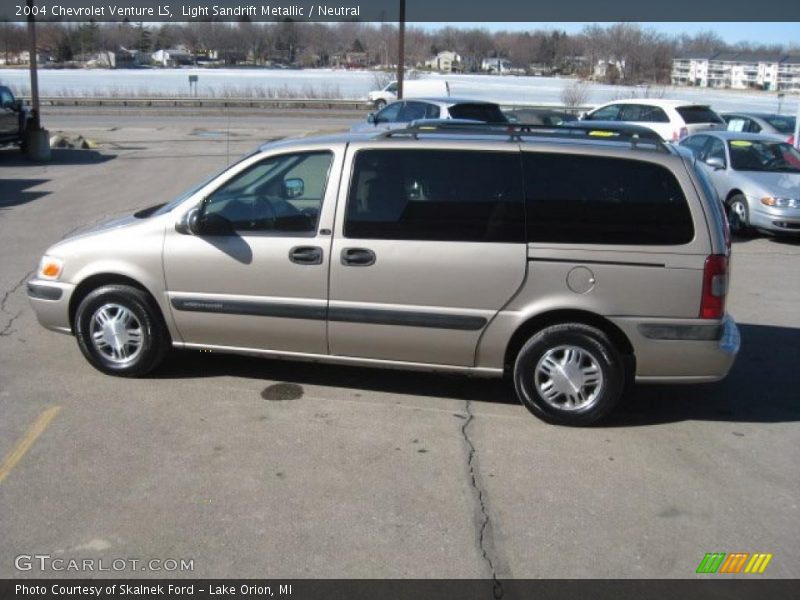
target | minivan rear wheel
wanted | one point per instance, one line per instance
(120, 332)
(569, 374)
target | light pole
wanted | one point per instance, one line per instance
(37, 140)
(401, 50)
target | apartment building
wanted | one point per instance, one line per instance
(738, 70)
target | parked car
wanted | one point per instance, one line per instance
(399, 114)
(758, 122)
(673, 120)
(539, 116)
(756, 176)
(13, 118)
(412, 88)
(573, 265)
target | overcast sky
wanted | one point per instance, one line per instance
(763, 33)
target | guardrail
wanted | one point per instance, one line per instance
(187, 102)
(257, 103)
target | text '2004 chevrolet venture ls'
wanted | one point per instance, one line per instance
(574, 260)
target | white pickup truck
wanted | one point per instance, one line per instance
(414, 88)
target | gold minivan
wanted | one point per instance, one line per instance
(575, 260)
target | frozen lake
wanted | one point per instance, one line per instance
(353, 85)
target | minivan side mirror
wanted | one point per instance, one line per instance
(188, 222)
(715, 162)
(195, 223)
(293, 188)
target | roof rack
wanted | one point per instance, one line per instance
(617, 132)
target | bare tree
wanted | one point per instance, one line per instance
(576, 94)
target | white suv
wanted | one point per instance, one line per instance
(673, 120)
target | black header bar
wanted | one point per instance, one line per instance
(440, 11)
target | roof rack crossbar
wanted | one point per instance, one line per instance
(519, 131)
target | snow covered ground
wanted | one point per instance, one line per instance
(356, 84)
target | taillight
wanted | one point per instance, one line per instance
(790, 141)
(715, 287)
(679, 134)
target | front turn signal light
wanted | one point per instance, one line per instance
(50, 268)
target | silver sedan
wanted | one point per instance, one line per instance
(757, 177)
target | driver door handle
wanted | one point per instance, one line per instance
(358, 257)
(306, 255)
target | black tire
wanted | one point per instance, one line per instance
(739, 216)
(379, 104)
(151, 342)
(595, 357)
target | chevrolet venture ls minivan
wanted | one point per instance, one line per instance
(574, 260)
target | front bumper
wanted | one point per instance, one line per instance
(777, 219)
(682, 350)
(50, 301)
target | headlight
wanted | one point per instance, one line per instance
(781, 202)
(50, 268)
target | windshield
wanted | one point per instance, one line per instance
(782, 124)
(757, 155)
(176, 201)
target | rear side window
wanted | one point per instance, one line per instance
(782, 124)
(599, 200)
(438, 195)
(488, 113)
(698, 114)
(643, 114)
(607, 113)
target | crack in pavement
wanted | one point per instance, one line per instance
(484, 524)
(6, 330)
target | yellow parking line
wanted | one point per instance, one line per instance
(27, 441)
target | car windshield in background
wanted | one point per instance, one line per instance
(753, 155)
(698, 114)
(488, 113)
(782, 124)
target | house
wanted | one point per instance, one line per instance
(445, 61)
(496, 65)
(129, 59)
(691, 69)
(22, 58)
(350, 60)
(788, 74)
(173, 57)
(603, 69)
(738, 70)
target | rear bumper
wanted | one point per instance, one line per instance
(681, 350)
(50, 302)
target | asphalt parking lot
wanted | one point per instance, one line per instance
(262, 468)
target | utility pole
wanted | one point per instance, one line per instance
(32, 63)
(401, 50)
(36, 139)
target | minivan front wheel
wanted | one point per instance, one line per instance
(120, 332)
(569, 374)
